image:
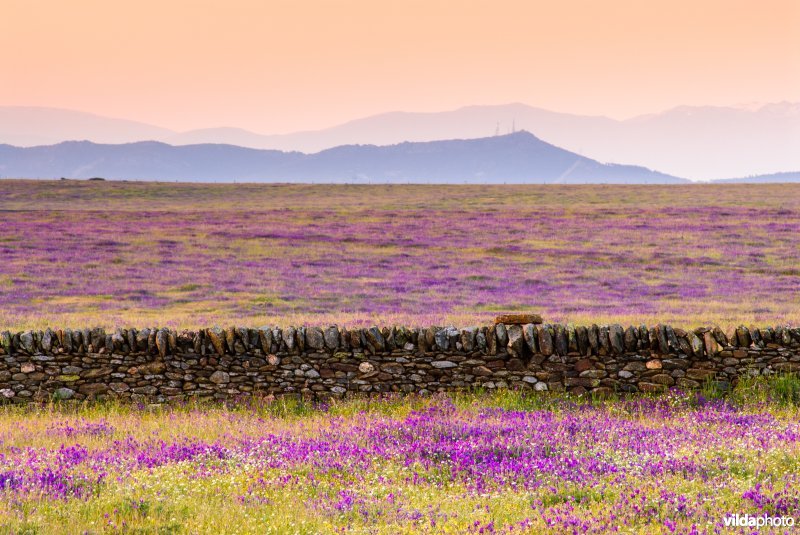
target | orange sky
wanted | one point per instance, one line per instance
(283, 65)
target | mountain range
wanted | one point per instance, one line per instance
(512, 158)
(698, 142)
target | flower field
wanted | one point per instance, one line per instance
(77, 253)
(505, 463)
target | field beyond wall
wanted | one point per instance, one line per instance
(77, 253)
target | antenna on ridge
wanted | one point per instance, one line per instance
(497, 129)
(513, 126)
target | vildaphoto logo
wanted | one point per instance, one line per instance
(760, 521)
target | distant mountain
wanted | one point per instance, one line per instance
(792, 176)
(30, 126)
(514, 158)
(700, 142)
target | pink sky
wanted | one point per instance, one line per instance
(278, 66)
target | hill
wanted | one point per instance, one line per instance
(518, 157)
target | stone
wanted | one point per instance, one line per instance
(443, 364)
(696, 344)
(516, 341)
(662, 379)
(530, 379)
(375, 338)
(7, 393)
(315, 339)
(26, 342)
(491, 340)
(710, 343)
(366, 367)
(27, 367)
(217, 336)
(162, 342)
(63, 393)
(699, 374)
(654, 364)
(518, 319)
(502, 335)
(594, 374)
(625, 374)
(561, 341)
(5, 342)
(583, 365)
(312, 374)
(583, 340)
(290, 338)
(481, 371)
(94, 373)
(616, 339)
(47, 340)
(593, 334)
(220, 377)
(672, 338)
(572, 339)
(663, 344)
(631, 339)
(468, 337)
(545, 340)
(338, 390)
(743, 338)
(540, 386)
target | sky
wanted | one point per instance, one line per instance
(276, 66)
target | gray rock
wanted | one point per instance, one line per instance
(5, 342)
(561, 342)
(289, 338)
(529, 334)
(616, 339)
(315, 339)
(516, 341)
(265, 338)
(312, 374)
(162, 342)
(529, 378)
(332, 337)
(480, 340)
(545, 339)
(375, 339)
(672, 339)
(502, 335)
(26, 342)
(631, 339)
(366, 367)
(663, 344)
(540, 386)
(593, 333)
(572, 339)
(63, 393)
(696, 344)
(220, 377)
(442, 364)
(47, 340)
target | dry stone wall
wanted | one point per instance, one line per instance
(157, 365)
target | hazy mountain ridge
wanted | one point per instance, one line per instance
(517, 157)
(700, 142)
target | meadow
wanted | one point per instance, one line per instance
(468, 463)
(78, 253)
